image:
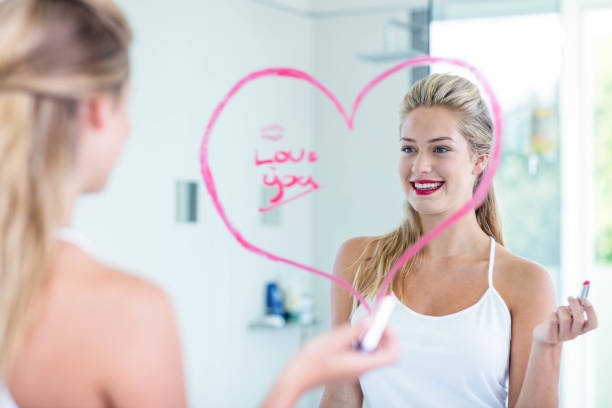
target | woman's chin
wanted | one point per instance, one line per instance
(95, 186)
(429, 212)
(430, 209)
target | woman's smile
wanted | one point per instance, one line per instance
(426, 187)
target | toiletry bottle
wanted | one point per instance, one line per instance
(274, 299)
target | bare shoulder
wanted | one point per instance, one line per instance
(520, 281)
(345, 267)
(348, 254)
(129, 308)
(126, 293)
(116, 331)
(138, 346)
(116, 297)
(112, 305)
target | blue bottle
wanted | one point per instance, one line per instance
(274, 300)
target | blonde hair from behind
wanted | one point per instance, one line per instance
(54, 54)
(474, 123)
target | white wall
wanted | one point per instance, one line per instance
(360, 166)
(185, 59)
(186, 56)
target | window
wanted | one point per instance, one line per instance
(598, 61)
(520, 56)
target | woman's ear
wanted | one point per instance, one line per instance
(94, 113)
(480, 164)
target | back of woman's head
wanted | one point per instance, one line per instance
(54, 55)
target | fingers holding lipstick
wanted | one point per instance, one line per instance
(564, 317)
(567, 322)
(571, 320)
(591, 322)
(548, 332)
(578, 321)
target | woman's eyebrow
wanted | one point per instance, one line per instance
(435, 140)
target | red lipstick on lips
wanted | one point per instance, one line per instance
(426, 191)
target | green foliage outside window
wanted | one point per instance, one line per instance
(603, 151)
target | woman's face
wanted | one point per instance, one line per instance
(436, 165)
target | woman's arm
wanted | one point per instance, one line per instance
(565, 324)
(327, 359)
(538, 332)
(346, 394)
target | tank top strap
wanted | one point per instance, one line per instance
(72, 236)
(491, 262)
(6, 400)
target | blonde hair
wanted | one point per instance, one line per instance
(474, 123)
(53, 55)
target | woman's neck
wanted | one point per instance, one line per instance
(464, 238)
(66, 219)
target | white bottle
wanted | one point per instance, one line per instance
(306, 309)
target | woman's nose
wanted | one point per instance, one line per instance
(421, 164)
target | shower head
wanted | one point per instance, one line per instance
(390, 51)
(389, 56)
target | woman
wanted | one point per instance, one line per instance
(472, 315)
(73, 331)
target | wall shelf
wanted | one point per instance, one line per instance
(291, 325)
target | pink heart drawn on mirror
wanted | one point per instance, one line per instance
(477, 198)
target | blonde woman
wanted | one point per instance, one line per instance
(477, 324)
(73, 331)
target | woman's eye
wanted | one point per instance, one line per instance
(440, 150)
(408, 149)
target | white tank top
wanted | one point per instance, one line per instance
(456, 360)
(6, 401)
(72, 236)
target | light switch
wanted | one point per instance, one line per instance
(273, 216)
(186, 201)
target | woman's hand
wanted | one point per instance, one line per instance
(330, 358)
(566, 323)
